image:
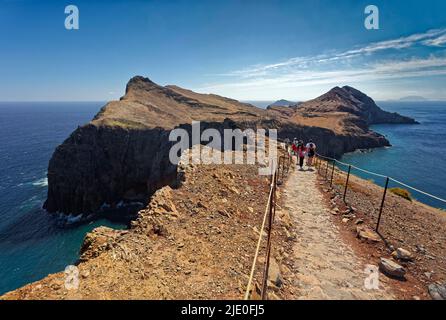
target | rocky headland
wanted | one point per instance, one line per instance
(123, 153)
(196, 236)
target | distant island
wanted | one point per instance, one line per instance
(413, 98)
(283, 103)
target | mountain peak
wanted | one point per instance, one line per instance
(138, 83)
(354, 103)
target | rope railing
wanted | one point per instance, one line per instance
(256, 255)
(383, 176)
(269, 214)
(387, 180)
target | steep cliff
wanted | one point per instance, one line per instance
(123, 153)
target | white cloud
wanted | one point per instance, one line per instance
(385, 70)
(434, 37)
(436, 42)
(346, 67)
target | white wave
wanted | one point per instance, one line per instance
(73, 218)
(41, 182)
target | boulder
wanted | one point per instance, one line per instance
(437, 291)
(289, 236)
(97, 241)
(161, 201)
(274, 274)
(366, 233)
(402, 254)
(391, 268)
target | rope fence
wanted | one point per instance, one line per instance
(324, 168)
(267, 223)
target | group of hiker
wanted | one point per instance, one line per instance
(302, 151)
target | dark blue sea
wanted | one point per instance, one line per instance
(418, 153)
(32, 242)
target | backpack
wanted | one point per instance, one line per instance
(311, 151)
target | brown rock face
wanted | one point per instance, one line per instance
(100, 165)
(123, 153)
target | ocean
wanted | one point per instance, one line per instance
(34, 243)
(418, 153)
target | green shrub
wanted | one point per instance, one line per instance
(402, 193)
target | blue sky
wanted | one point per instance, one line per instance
(248, 50)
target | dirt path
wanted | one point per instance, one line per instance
(327, 268)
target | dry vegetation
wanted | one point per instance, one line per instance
(411, 225)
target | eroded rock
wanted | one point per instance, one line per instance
(274, 274)
(391, 268)
(437, 291)
(402, 254)
(366, 233)
(98, 241)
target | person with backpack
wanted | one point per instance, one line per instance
(301, 151)
(294, 146)
(311, 152)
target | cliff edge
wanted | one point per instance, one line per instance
(123, 153)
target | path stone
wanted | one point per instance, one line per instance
(327, 268)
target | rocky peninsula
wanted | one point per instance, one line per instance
(122, 154)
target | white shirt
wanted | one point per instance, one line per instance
(308, 146)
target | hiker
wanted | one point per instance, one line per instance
(311, 152)
(301, 151)
(294, 146)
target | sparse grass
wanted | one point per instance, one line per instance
(125, 124)
(402, 193)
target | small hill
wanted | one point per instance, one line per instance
(282, 103)
(345, 110)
